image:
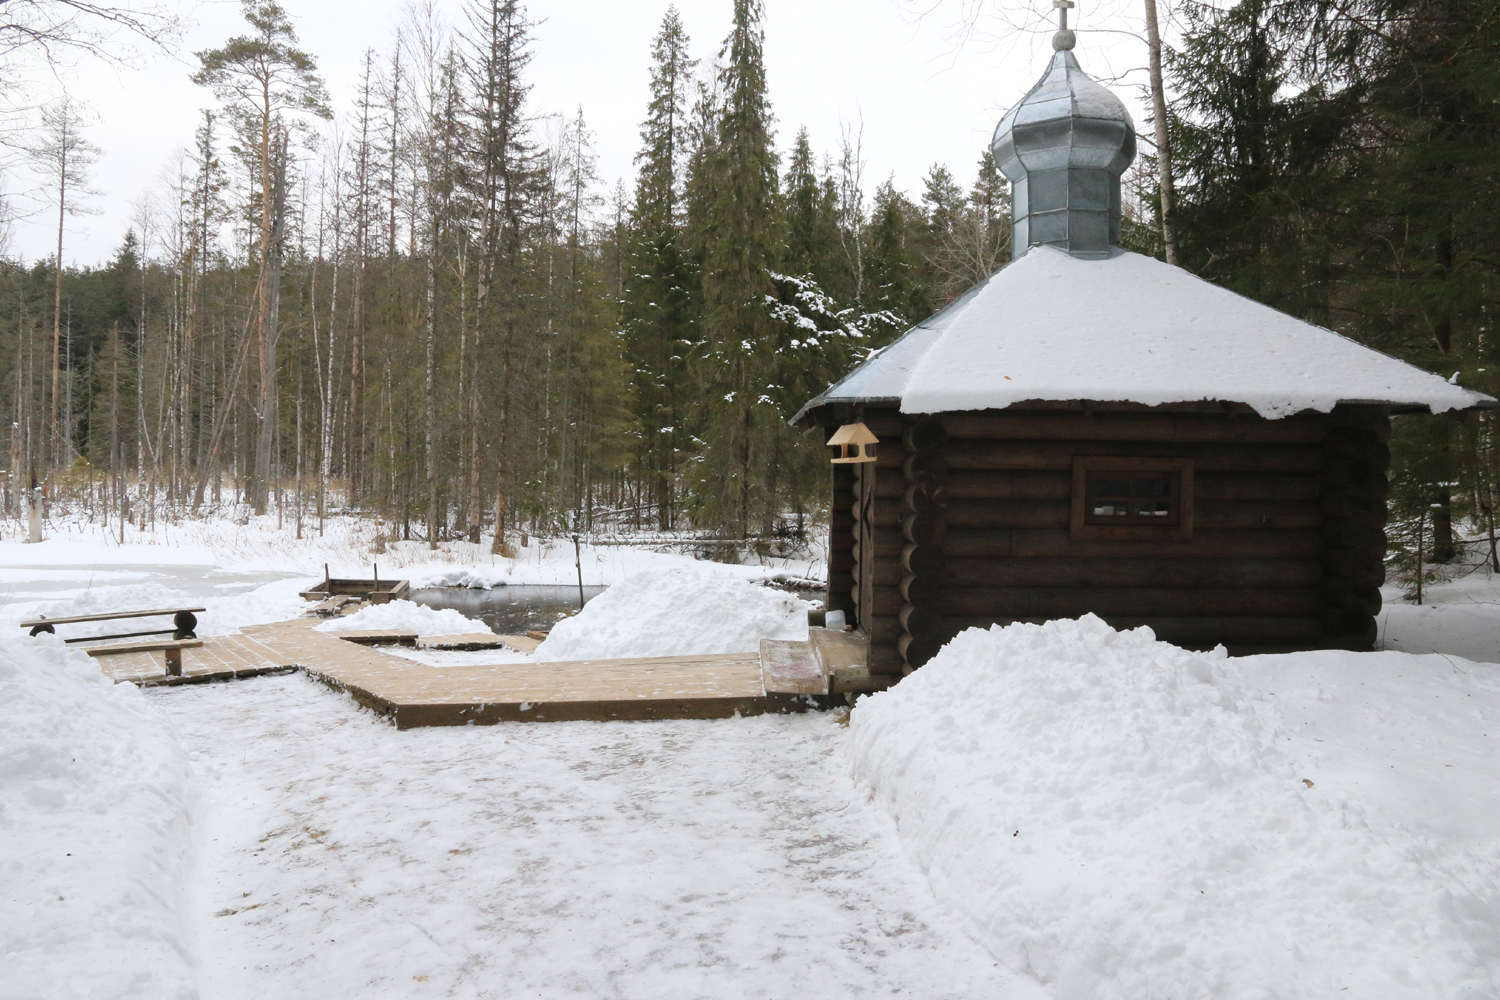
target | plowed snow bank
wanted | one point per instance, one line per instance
(680, 611)
(1127, 819)
(94, 798)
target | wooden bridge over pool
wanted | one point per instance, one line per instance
(781, 676)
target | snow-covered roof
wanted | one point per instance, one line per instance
(1128, 328)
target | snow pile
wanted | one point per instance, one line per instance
(94, 840)
(271, 602)
(1116, 816)
(408, 617)
(463, 577)
(681, 611)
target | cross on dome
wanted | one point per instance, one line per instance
(1064, 40)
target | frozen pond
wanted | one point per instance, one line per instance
(62, 581)
(512, 610)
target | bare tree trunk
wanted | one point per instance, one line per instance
(1166, 186)
(274, 229)
(299, 455)
(1444, 547)
(431, 413)
(54, 439)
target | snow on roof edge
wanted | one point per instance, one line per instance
(891, 378)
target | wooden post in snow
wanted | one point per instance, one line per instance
(578, 564)
(34, 512)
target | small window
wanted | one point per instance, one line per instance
(1151, 498)
(1128, 499)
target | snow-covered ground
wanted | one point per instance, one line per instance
(1103, 814)
(251, 573)
(78, 553)
(1460, 617)
(342, 858)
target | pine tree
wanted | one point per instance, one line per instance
(270, 87)
(821, 332)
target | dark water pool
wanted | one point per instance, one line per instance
(508, 610)
(516, 610)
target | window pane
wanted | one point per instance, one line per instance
(1147, 498)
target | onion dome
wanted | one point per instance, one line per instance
(1064, 148)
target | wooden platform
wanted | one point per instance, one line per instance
(220, 658)
(781, 677)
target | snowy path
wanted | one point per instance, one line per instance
(341, 858)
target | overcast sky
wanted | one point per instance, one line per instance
(922, 89)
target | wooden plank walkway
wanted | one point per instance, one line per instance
(220, 658)
(413, 694)
(783, 676)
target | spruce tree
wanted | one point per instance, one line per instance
(502, 181)
(892, 285)
(740, 240)
(810, 210)
(658, 309)
(1247, 143)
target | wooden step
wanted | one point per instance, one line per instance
(215, 658)
(332, 606)
(479, 640)
(378, 637)
(233, 655)
(791, 667)
(468, 642)
(844, 657)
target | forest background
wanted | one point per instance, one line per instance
(442, 315)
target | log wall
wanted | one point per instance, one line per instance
(965, 520)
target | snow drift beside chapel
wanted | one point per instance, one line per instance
(682, 611)
(1120, 817)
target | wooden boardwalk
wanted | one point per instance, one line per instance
(220, 658)
(781, 677)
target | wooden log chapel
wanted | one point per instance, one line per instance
(1094, 431)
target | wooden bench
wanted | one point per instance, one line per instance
(172, 647)
(184, 621)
